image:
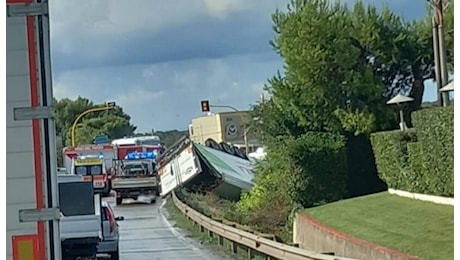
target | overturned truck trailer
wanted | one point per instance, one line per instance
(221, 168)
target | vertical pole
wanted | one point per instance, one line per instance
(437, 66)
(246, 142)
(442, 51)
(401, 118)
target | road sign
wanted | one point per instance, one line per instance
(101, 139)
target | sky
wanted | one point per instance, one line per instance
(159, 59)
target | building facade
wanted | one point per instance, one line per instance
(228, 127)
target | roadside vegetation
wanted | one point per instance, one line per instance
(329, 134)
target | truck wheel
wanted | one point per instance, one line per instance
(119, 201)
(115, 255)
(152, 201)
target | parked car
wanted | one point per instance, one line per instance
(110, 233)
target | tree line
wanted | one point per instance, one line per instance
(114, 123)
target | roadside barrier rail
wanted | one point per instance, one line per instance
(269, 248)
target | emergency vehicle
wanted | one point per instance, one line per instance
(135, 176)
(93, 169)
(140, 144)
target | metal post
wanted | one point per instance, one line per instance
(401, 118)
(443, 62)
(246, 141)
(439, 17)
(437, 67)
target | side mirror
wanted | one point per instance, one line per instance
(120, 218)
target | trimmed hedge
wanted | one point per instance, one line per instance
(391, 158)
(420, 178)
(420, 160)
(435, 129)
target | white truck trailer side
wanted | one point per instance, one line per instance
(32, 218)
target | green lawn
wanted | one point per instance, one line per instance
(418, 228)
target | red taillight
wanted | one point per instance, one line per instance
(110, 218)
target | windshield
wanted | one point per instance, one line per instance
(76, 198)
(140, 168)
(136, 168)
(151, 142)
(88, 170)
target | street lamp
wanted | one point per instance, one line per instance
(399, 100)
(447, 89)
(109, 105)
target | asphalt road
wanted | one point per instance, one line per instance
(146, 234)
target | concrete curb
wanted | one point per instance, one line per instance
(423, 197)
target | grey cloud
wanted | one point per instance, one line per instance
(201, 38)
(159, 68)
(170, 92)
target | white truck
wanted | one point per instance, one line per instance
(177, 166)
(80, 217)
(32, 215)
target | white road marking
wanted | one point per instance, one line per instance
(172, 229)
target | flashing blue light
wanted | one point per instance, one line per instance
(138, 155)
(101, 156)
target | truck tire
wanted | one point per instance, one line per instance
(115, 255)
(227, 148)
(119, 201)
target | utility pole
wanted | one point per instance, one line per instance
(440, 54)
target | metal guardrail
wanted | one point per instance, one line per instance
(267, 247)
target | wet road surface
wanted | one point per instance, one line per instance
(145, 234)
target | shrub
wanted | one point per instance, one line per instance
(421, 179)
(435, 129)
(425, 166)
(391, 157)
(322, 168)
(309, 170)
(298, 172)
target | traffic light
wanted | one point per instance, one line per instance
(205, 105)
